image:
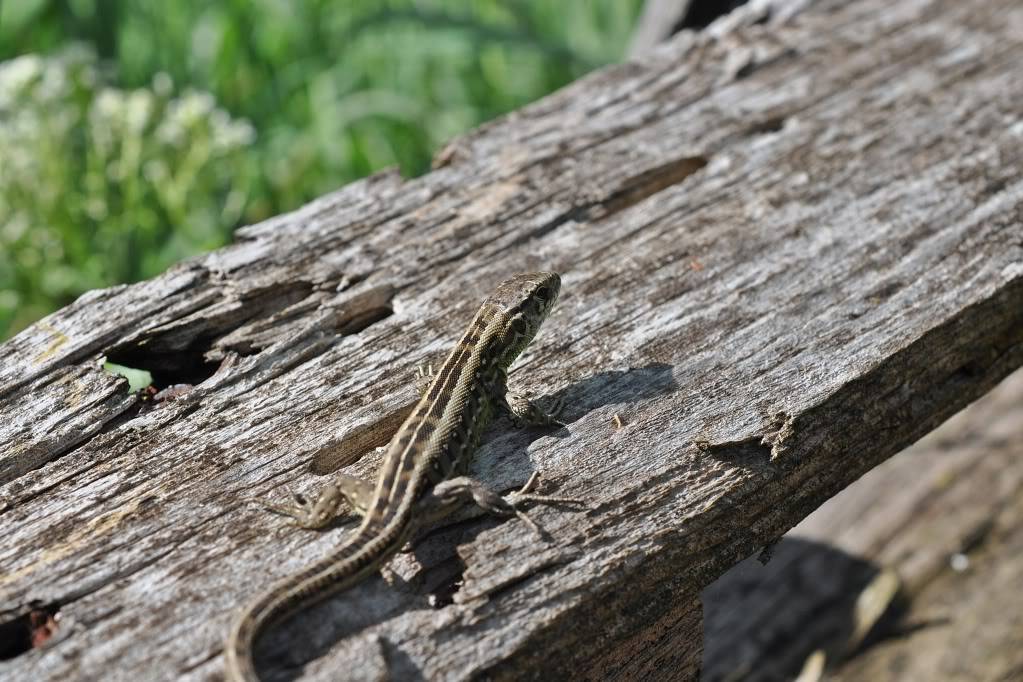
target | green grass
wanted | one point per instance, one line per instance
(134, 134)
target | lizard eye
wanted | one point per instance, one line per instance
(543, 293)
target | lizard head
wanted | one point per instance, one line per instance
(524, 301)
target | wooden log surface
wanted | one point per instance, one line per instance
(791, 245)
(889, 579)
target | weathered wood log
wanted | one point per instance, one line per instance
(791, 245)
(939, 522)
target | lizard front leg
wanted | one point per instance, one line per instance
(524, 412)
(521, 410)
(461, 490)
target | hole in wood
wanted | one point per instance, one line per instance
(702, 12)
(770, 125)
(652, 181)
(138, 379)
(365, 318)
(28, 631)
(186, 366)
(182, 351)
(352, 445)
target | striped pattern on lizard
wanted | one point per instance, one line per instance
(423, 475)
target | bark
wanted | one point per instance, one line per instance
(889, 577)
(791, 246)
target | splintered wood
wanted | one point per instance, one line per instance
(777, 276)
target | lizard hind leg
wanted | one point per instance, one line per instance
(424, 377)
(346, 494)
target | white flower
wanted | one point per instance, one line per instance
(105, 116)
(16, 76)
(155, 171)
(96, 208)
(108, 105)
(54, 84)
(14, 228)
(231, 135)
(139, 106)
(163, 84)
(195, 106)
(9, 299)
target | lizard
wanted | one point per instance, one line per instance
(423, 474)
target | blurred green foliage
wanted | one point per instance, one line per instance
(100, 185)
(133, 134)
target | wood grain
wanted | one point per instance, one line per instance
(791, 245)
(941, 518)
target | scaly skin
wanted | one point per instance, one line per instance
(422, 476)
